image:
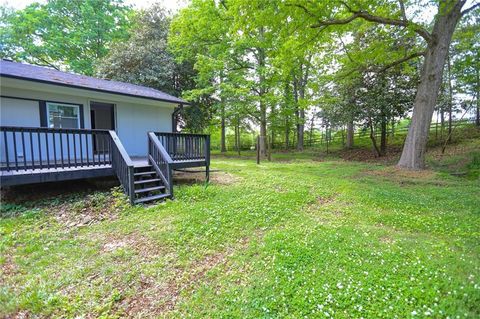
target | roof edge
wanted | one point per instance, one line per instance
(93, 89)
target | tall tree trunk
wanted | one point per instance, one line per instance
(442, 121)
(378, 153)
(223, 147)
(413, 154)
(263, 130)
(287, 133)
(350, 133)
(477, 120)
(383, 136)
(311, 128)
(450, 98)
(262, 91)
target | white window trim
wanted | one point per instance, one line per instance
(62, 104)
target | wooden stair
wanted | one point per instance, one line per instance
(148, 185)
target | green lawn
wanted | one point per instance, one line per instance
(303, 238)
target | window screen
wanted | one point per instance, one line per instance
(63, 115)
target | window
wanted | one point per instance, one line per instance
(63, 115)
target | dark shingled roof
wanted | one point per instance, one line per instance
(51, 76)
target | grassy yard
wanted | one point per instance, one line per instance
(303, 236)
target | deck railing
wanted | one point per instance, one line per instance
(185, 146)
(161, 161)
(123, 166)
(30, 148)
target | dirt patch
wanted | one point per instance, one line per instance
(94, 208)
(397, 172)
(158, 298)
(47, 191)
(321, 201)
(367, 155)
(140, 244)
(196, 177)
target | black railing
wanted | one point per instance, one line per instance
(185, 147)
(30, 148)
(123, 166)
(161, 161)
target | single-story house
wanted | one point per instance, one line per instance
(56, 125)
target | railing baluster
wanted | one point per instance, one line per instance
(40, 150)
(48, 154)
(31, 150)
(105, 145)
(6, 149)
(23, 149)
(74, 148)
(68, 149)
(87, 150)
(61, 149)
(15, 150)
(81, 148)
(54, 149)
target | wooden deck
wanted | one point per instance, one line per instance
(38, 155)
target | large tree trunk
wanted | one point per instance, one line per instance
(350, 133)
(450, 99)
(413, 154)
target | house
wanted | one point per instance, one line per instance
(62, 126)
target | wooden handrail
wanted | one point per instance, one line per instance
(180, 134)
(52, 129)
(123, 166)
(185, 147)
(161, 161)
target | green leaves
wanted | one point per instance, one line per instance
(64, 34)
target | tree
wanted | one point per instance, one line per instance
(145, 59)
(64, 34)
(449, 12)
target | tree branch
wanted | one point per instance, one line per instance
(402, 60)
(356, 14)
(402, 9)
(466, 11)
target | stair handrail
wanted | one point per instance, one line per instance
(123, 166)
(161, 161)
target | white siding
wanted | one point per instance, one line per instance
(134, 121)
(15, 112)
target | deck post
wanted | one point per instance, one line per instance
(131, 190)
(207, 157)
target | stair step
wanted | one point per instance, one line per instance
(144, 181)
(145, 173)
(142, 166)
(149, 189)
(151, 198)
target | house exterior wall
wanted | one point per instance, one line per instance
(134, 117)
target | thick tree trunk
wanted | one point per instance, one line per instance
(413, 154)
(350, 133)
(450, 99)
